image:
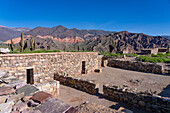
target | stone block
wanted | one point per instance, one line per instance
(41, 97)
(141, 103)
(27, 89)
(6, 90)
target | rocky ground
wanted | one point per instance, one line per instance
(18, 97)
(140, 81)
(76, 97)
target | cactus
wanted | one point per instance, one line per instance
(22, 42)
(26, 45)
(111, 46)
(32, 43)
(78, 48)
(12, 45)
(35, 45)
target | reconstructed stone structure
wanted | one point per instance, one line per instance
(154, 103)
(84, 85)
(42, 66)
(136, 66)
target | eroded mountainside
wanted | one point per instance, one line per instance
(126, 41)
(60, 37)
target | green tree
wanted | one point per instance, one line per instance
(22, 42)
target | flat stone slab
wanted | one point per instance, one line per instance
(6, 90)
(53, 105)
(9, 79)
(41, 96)
(16, 84)
(27, 89)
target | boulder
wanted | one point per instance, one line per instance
(6, 90)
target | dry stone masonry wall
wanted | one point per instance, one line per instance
(151, 103)
(84, 85)
(46, 64)
(136, 66)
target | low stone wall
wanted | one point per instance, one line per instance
(84, 85)
(136, 66)
(145, 101)
(46, 64)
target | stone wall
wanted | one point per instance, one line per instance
(46, 64)
(136, 66)
(151, 103)
(84, 85)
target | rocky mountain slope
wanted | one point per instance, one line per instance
(63, 34)
(7, 33)
(124, 40)
(60, 37)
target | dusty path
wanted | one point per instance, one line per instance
(140, 80)
(76, 97)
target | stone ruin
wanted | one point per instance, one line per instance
(27, 82)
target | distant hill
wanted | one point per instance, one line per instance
(166, 36)
(63, 34)
(10, 33)
(130, 42)
(60, 37)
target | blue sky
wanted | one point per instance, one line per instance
(148, 16)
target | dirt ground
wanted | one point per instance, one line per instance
(76, 97)
(140, 80)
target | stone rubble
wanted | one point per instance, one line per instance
(19, 97)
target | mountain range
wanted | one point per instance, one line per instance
(60, 37)
(7, 33)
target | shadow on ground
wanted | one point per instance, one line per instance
(165, 92)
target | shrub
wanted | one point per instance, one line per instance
(153, 59)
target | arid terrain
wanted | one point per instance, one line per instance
(139, 80)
